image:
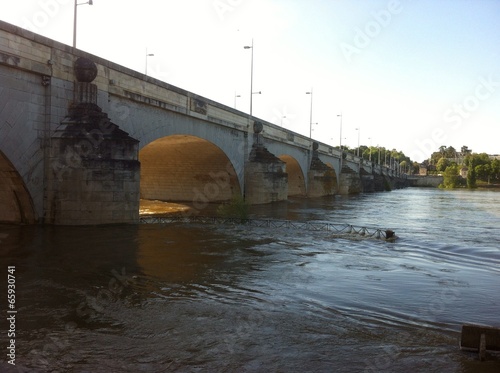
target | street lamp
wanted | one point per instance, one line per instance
(235, 97)
(148, 55)
(251, 75)
(359, 131)
(340, 141)
(74, 20)
(310, 113)
(283, 117)
(370, 149)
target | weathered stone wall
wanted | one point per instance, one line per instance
(425, 181)
(321, 177)
(350, 182)
(368, 183)
(265, 177)
(95, 172)
(322, 183)
(381, 183)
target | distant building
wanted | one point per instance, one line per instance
(459, 159)
(494, 156)
(464, 171)
(422, 170)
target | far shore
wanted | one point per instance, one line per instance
(489, 186)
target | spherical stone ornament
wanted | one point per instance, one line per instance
(257, 127)
(85, 70)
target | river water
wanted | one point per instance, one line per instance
(234, 298)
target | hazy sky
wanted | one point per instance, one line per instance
(412, 75)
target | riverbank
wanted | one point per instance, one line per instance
(489, 186)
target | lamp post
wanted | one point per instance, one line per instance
(359, 131)
(251, 75)
(370, 149)
(283, 117)
(148, 55)
(340, 141)
(310, 113)
(75, 17)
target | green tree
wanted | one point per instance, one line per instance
(471, 178)
(442, 164)
(479, 168)
(483, 172)
(465, 150)
(451, 177)
(495, 169)
(415, 168)
(450, 152)
(404, 166)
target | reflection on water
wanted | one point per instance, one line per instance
(159, 208)
(177, 298)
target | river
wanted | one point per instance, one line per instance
(234, 298)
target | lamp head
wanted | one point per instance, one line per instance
(90, 2)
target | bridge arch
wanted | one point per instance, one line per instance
(186, 168)
(16, 204)
(296, 180)
(148, 123)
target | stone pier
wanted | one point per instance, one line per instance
(95, 172)
(265, 177)
(350, 181)
(321, 178)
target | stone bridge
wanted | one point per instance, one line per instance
(82, 139)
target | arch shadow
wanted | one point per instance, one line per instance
(296, 181)
(16, 204)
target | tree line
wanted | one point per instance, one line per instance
(390, 158)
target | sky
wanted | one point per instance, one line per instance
(404, 74)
